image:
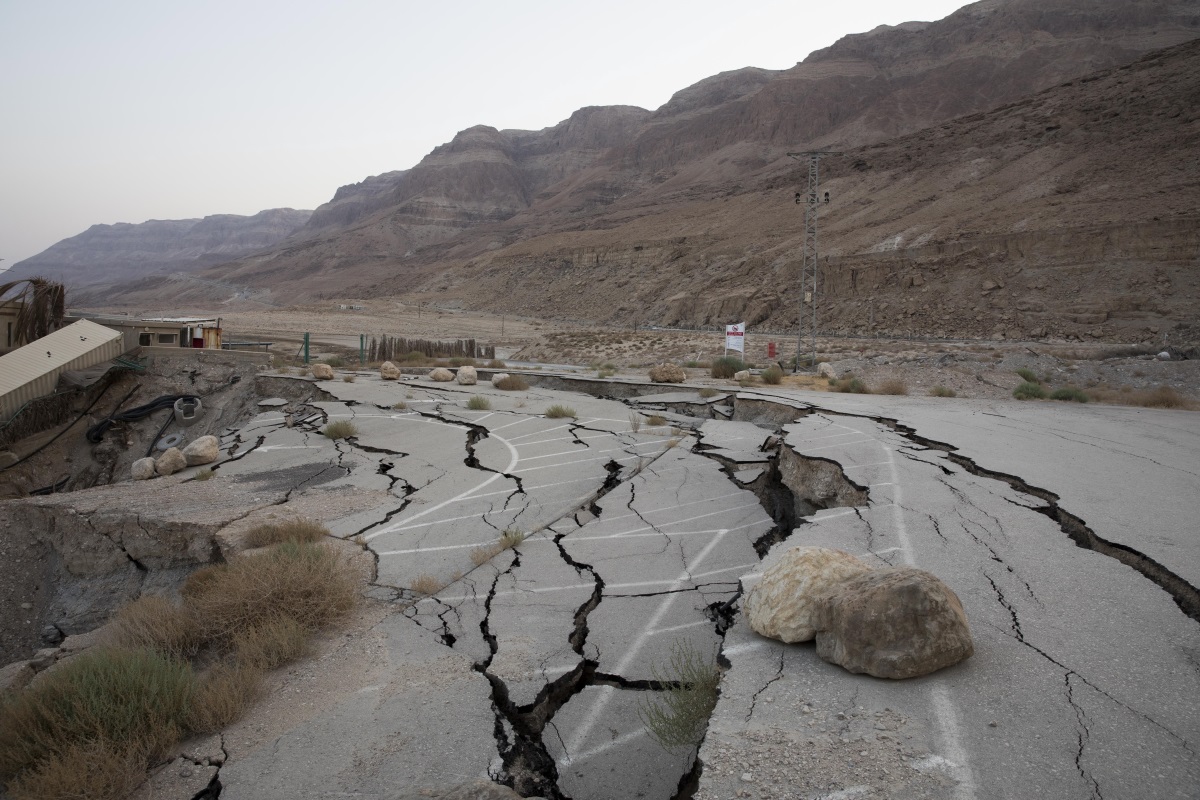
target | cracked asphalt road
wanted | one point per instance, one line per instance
(530, 666)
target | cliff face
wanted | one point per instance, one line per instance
(684, 215)
(106, 254)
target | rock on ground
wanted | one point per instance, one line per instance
(467, 376)
(389, 371)
(170, 462)
(322, 372)
(204, 450)
(742, 375)
(499, 376)
(668, 373)
(781, 605)
(826, 370)
(898, 622)
(441, 374)
(143, 469)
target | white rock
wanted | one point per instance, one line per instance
(143, 469)
(499, 376)
(170, 462)
(202, 451)
(441, 374)
(1163, 356)
(744, 375)
(782, 605)
(467, 376)
(389, 371)
(322, 372)
(826, 370)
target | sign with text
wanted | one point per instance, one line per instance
(735, 337)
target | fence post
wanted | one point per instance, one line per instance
(306, 348)
(362, 349)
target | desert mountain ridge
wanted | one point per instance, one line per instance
(681, 215)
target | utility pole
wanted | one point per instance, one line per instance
(809, 271)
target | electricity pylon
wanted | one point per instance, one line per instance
(809, 273)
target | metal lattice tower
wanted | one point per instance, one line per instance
(809, 273)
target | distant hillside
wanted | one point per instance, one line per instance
(105, 254)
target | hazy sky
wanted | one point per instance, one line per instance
(129, 110)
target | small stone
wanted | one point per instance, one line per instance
(441, 374)
(747, 777)
(322, 372)
(992, 724)
(204, 450)
(467, 376)
(389, 371)
(170, 462)
(27, 606)
(143, 469)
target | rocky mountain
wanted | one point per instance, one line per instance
(105, 254)
(683, 215)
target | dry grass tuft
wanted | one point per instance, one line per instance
(153, 621)
(222, 694)
(427, 584)
(656, 419)
(892, 387)
(479, 403)
(401, 406)
(205, 474)
(349, 378)
(271, 643)
(635, 421)
(707, 392)
(1159, 397)
(560, 412)
(772, 375)
(96, 770)
(942, 391)
(292, 530)
(310, 583)
(513, 383)
(342, 429)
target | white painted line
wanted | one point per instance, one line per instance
(743, 648)
(580, 734)
(510, 424)
(952, 744)
(832, 446)
(863, 466)
(461, 495)
(580, 461)
(755, 504)
(683, 627)
(604, 748)
(589, 450)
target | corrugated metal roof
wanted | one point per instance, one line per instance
(52, 352)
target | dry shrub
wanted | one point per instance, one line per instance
(293, 530)
(707, 393)
(481, 555)
(560, 412)
(401, 406)
(427, 584)
(155, 622)
(772, 375)
(656, 419)
(479, 403)
(942, 391)
(892, 387)
(496, 363)
(271, 643)
(342, 429)
(1159, 397)
(205, 474)
(726, 366)
(513, 383)
(348, 378)
(222, 695)
(307, 582)
(134, 701)
(96, 770)
(635, 421)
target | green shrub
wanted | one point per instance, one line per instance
(1028, 375)
(726, 366)
(205, 474)
(342, 429)
(772, 375)
(942, 391)
(560, 411)
(1070, 394)
(479, 403)
(1028, 390)
(335, 361)
(130, 700)
(677, 716)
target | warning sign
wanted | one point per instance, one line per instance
(735, 337)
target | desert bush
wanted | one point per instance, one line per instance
(850, 385)
(292, 530)
(1028, 390)
(1069, 393)
(270, 643)
(132, 701)
(726, 367)
(707, 392)
(513, 383)
(94, 770)
(507, 541)
(635, 421)
(309, 583)
(1028, 375)
(772, 375)
(400, 406)
(605, 373)
(205, 474)
(427, 584)
(942, 391)
(496, 363)
(678, 715)
(414, 357)
(222, 694)
(335, 361)
(155, 622)
(479, 403)
(656, 419)
(348, 378)
(892, 387)
(342, 429)
(1159, 397)
(462, 361)
(559, 412)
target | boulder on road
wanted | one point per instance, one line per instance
(389, 371)
(441, 374)
(781, 605)
(170, 462)
(898, 622)
(467, 376)
(204, 450)
(322, 372)
(826, 370)
(499, 376)
(668, 373)
(143, 469)
(743, 375)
